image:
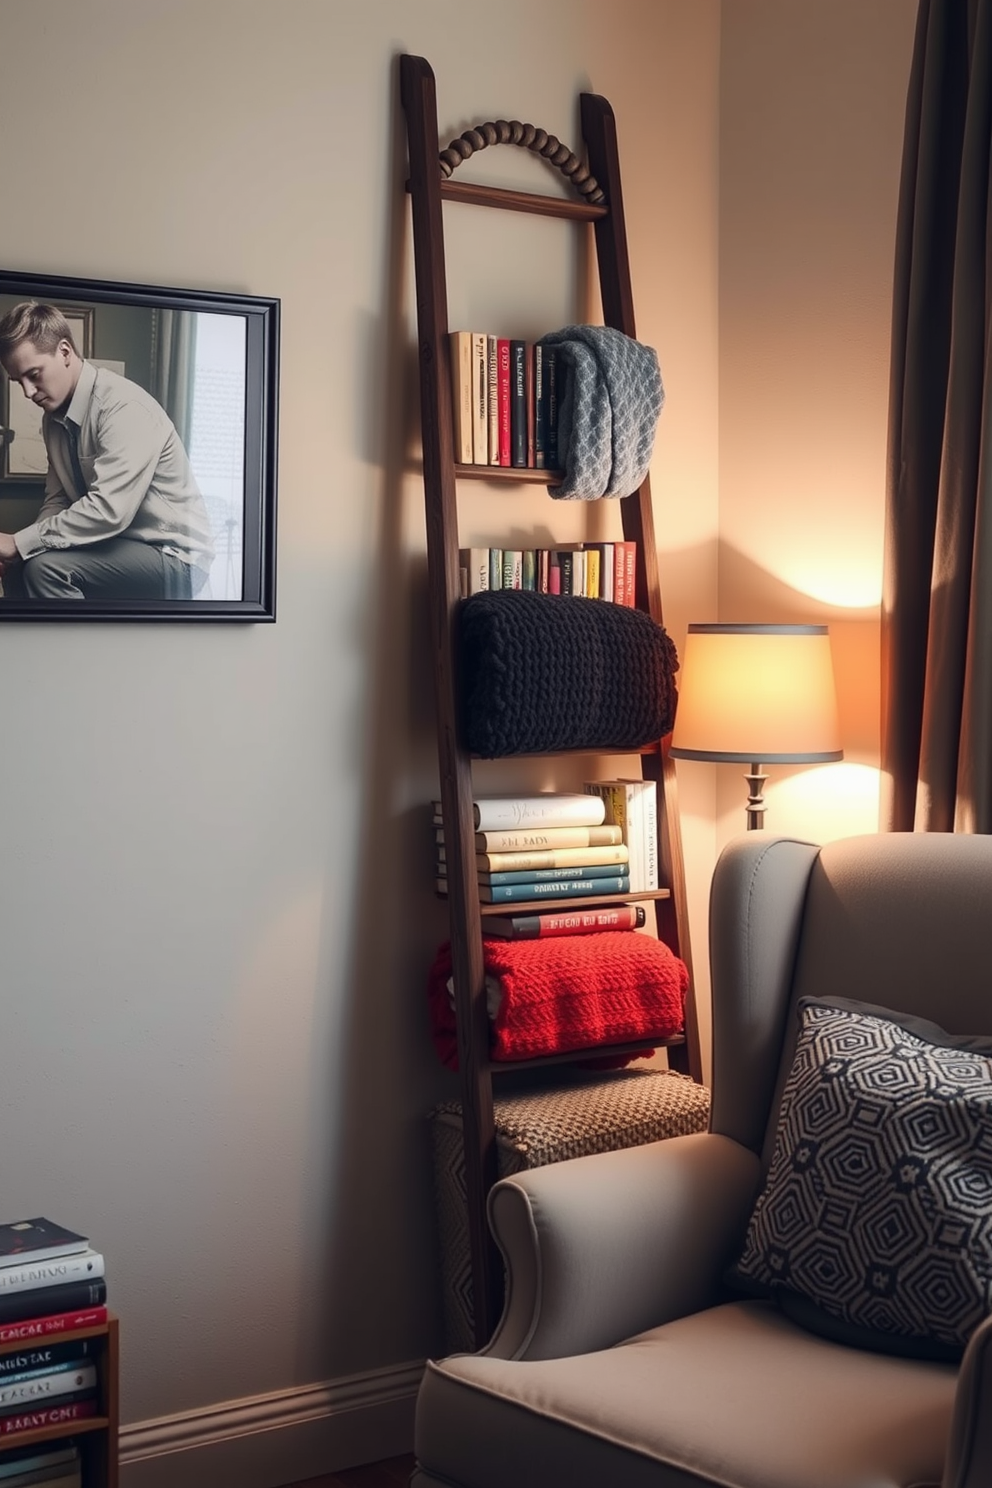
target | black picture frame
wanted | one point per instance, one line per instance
(229, 389)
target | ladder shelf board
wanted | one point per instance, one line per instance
(476, 195)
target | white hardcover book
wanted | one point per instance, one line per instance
(474, 562)
(550, 809)
(41, 1387)
(87, 1266)
(480, 398)
(634, 799)
(648, 796)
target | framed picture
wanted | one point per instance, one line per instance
(141, 483)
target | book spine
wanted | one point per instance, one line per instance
(542, 570)
(549, 875)
(503, 397)
(619, 574)
(512, 568)
(460, 343)
(652, 872)
(42, 1387)
(551, 837)
(492, 397)
(630, 574)
(529, 570)
(566, 922)
(529, 394)
(634, 838)
(551, 395)
(564, 809)
(495, 568)
(38, 1274)
(44, 1327)
(518, 403)
(50, 1415)
(73, 1296)
(605, 570)
(592, 572)
(474, 562)
(38, 1360)
(566, 568)
(553, 857)
(561, 889)
(480, 398)
(540, 410)
(554, 573)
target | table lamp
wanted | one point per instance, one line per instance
(757, 694)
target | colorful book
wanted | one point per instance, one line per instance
(495, 568)
(41, 1417)
(460, 343)
(563, 888)
(628, 806)
(492, 397)
(480, 398)
(549, 809)
(46, 1327)
(503, 397)
(529, 570)
(87, 1265)
(542, 875)
(554, 573)
(513, 562)
(630, 574)
(37, 1240)
(39, 1357)
(473, 565)
(71, 1296)
(615, 855)
(42, 1386)
(591, 586)
(565, 922)
(518, 403)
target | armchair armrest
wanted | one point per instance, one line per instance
(969, 1451)
(600, 1248)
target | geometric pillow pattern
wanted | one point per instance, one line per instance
(877, 1206)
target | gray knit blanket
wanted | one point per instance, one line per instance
(609, 399)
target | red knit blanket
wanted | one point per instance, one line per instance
(572, 992)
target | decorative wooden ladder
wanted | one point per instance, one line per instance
(428, 188)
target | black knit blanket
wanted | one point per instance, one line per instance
(545, 672)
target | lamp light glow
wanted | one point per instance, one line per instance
(757, 694)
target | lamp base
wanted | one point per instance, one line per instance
(755, 808)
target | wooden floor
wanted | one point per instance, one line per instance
(394, 1473)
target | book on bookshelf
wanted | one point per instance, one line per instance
(592, 587)
(554, 573)
(531, 839)
(36, 1358)
(37, 1240)
(550, 372)
(648, 798)
(565, 922)
(561, 888)
(71, 1296)
(88, 1264)
(540, 410)
(38, 1418)
(518, 403)
(513, 561)
(67, 1477)
(41, 1386)
(528, 570)
(46, 1327)
(460, 343)
(632, 805)
(615, 855)
(50, 1462)
(630, 574)
(492, 397)
(529, 398)
(606, 574)
(541, 875)
(495, 568)
(473, 564)
(480, 398)
(548, 809)
(503, 397)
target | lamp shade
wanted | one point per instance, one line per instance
(757, 693)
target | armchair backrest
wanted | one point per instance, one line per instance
(903, 920)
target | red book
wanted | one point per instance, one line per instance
(630, 574)
(503, 398)
(48, 1415)
(63, 1322)
(619, 573)
(571, 922)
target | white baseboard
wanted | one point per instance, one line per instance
(269, 1440)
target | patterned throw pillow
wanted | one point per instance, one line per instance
(877, 1207)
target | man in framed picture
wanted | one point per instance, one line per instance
(122, 516)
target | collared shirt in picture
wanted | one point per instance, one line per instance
(132, 476)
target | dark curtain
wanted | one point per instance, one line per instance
(937, 595)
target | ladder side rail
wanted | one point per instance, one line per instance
(478, 1127)
(672, 915)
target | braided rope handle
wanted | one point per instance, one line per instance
(528, 137)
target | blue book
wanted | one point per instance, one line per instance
(562, 888)
(552, 875)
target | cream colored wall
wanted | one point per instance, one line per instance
(812, 99)
(215, 918)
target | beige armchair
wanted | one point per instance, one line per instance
(622, 1358)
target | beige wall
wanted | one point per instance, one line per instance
(215, 915)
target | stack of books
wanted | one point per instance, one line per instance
(545, 847)
(51, 1282)
(592, 570)
(52, 1465)
(504, 396)
(632, 805)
